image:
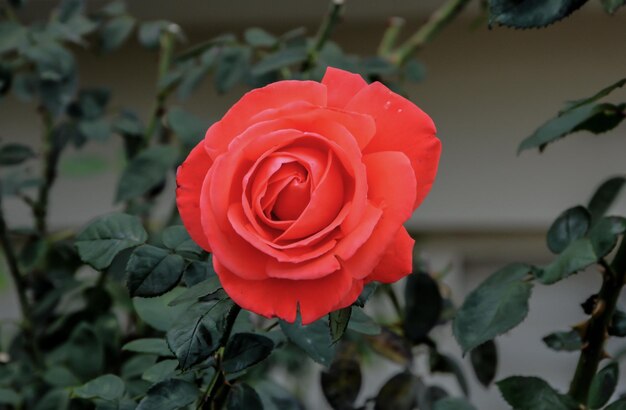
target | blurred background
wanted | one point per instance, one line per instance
(485, 89)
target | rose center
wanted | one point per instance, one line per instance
(288, 193)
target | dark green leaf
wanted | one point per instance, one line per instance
(197, 272)
(244, 350)
(280, 59)
(314, 339)
(12, 35)
(70, 8)
(391, 346)
(107, 387)
(341, 383)
(427, 398)
(611, 6)
(453, 403)
(423, 306)
(153, 271)
(178, 240)
(104, 238)
(150, 33)
(338, 322)
(241, 396)
(191, 80)
(232, 67)
(60, 376)
(398, 393)
(114, 8)
(576, 257)
(414, 71)
(532, 393)
(10, 397)
(56, 399)
(145, 171)
(197, 334)
(97, 130)
(484, 359)
(618, 324)
(199, 290)
(499, 304)
(447, 364)
(603, 385)
(128, 124)
(378, 67)
(564, 341)
(361, 323)
(189, 128)
(150, 346)
(170, 394)
(595, 118)
(257, 37)
(617, 405)
(368, 290)
(157, 313)
(531, 13)
(569, 226)
(116, 31)
(604, 197)
(160, 371)
(600, 94)
(13, 154)
(85, 352)
(604, 234)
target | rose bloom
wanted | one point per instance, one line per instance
(301, 189)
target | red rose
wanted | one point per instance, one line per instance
(301, 189)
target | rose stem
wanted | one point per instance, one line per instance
(390, 36)
(324, 32)
(595, 330)
(438, 20)
(49, 173)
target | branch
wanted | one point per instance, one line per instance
(324, 32)
(49, 173)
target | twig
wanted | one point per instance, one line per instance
(49, 173)
(390, 36)
(324, 33)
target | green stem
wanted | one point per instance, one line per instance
(437, 21)
(595, 331)
(324, 33)
(394, 300)
(390, 36)
(49, 173)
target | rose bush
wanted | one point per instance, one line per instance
(301, 190)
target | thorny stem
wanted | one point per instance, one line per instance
(595, 330)
(390, 36)
(324, 33)
(438, 20)
(49, 173)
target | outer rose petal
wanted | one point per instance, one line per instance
(401, 126)
(397, 261)
(189, 180)
(281, 297)
(342, 86)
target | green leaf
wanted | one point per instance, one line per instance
(145, 171)
(531, 13)
(338, 322)
(604, 197)
(189, 128)
(532, 393)
(55, 399)
(600, 94)
(153, 271)
(157, 313)
(96, 130)
(60, 376)
(257, 37)
(105, 237)
(115, 32)
(595, 118)
(280, 59)
(368, 290)
(12, 35)
(170, 394)
(617, 405)
(114, 8)
(149, 345)
(398, 393)
(611, 6)
(135, 366)
(177, 239)
(414, 71)
(392, 346)
(484, 359)
(569, 226)
(576, 257)
(314, 339)
(362, 323)
(197, 334)
(618, 324)
(150, 33)
(603, 385)
(604, 234)
(446, 364)
(14, 154)
(10, 397)
(85, 352)
(423, 306)
(190, 80)
(453, 403)
(160, 371)
(341, 383)
(244, 350)
(499, 304)
(242, 396)
(107, 387)
(128, 124)
(564, 341)
(232, 67)
(198, 291)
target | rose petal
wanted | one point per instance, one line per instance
(401, 126)
(274, 95)
(189, 179)
(281, 297)
(397, 261)
(342, 86)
